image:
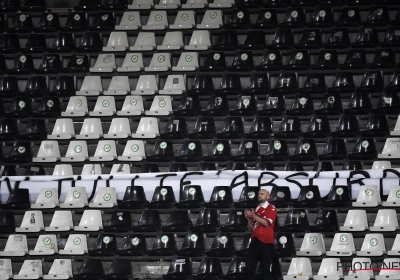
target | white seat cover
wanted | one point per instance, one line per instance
(157, 21)
(134, 151)
(382, 164)
(133, 106)
(133, 62)
(148, 128)
(45, 245)
(391, 148)
(368, 197)
(172, 41)
(386, 220)
(77, 152)
(373, 245)
(184, 20)
(91, 169)
(356, 220)
(32, 222)
(76, 198)
(119, 128)
(159, 62)
(161, 106)
(300, 268)
(49, 151)
(195, 4)
(129, 21)
(330, 269)
(212, 20)
(104, 198)
(47, 198)
(31, 269)
(393, 199)
(342, 245)
(145, 41)
(188, 61)
(6, 271)
(141, 5)
(63, 170)
(63, 129)
(16, 246)
(222, 4)
(118, 42)
(313, 245)
(61, 221)
(396, 130)
(76, 245)
(60, 269)
(119, 85)
(106, 150)
(357, 264)
(77, 107)
(200, 40)
(91, 86)
(105, 63)
(168, 4)
(387, 273)
(147, 85)
(174, 85)
(90, 221)
(105, 106)
(395, 247)
(91, 129)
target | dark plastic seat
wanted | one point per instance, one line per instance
(294, 18)
(18, 199)
(248, 3)
(217, 105)
(261, 128)
(372, 82)
(338, 39)
(135, 245)
(21, 23)
(377, 126)
(383, 59)
(323, 166)
(9, 86)
(318, 127)
(338, 196)
(296, 221)
(309, 196)
(230, 84)
(236, 222)
(354, 60)
(360, 103)
(88, 5)
(103, 21)
(20, 107)
(204, 129)
(343, 83)
(244, 248)
(8, 5)
(48, 22)
(227, 40)
(391, 39)
(221, 197)
(106, 245)
(298, 60)
(190, 151)
(289, 127)
(349, 17)
(189, 106)
(322, 17)
(164, 245)
(163, 196)
(207, 221)
(64, 86)
(177, 167)
(280, 196)
(7, 170)
(120, 221)
(364, 149)
(8, 129)
(77, 63)
(293, 166)
(50, 64)
(34, 6)
(258, 84)
(235, 166)
(286, 83)
(243, 61)
(248, 197)
(396, 21)
(248, 151)
(162, 151)
(347, 127)
(193, 245)
(327, 60)
(3, 67)
(311, 39)
(254, 40)
(334, 149)
(274, 105)
(35, 129)
(302, 105)
(366, 38)
(326, 221)
(49, 108)
(276, 151)
(179, 220)
(63, 42)
(236, 269)
(209, 269)
(76, 21)
(120, 269)
(35, 170)
(314, 83)
(278, 3)
(271, 60)
(239, 19)
(220, 150)
(179, 269)
(305, 150)
(90, 269)
(36, 43)
(377, 16)
(90, 42)
(283, 40)
(202, 84)
(232, 128)
(191, 196)
(149, 221)
(7, 222)
(115, 5)
(176, 129)
(394, 84)
(223, 245)
(284, 245)
(36, 86)
(23, 64)
(331, 104)
(388, 103)
(215, 61)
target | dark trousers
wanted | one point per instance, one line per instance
(260, 252)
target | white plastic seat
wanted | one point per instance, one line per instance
(133, 106)
(172, 41)
(118, 42)
(386, 273)
(77, 107)
(157, 21)
(76, 198)
(391, 148)
(393, 199)
(63, 129)
(129, 21)
(141, 5)
(60, 269)
(183, 20)
(386, 220)
(16, 246)
(146, 85)
(32, 222)
(6, 271)
(330, 269)
(91, 169)
(145, 41)
(90, 221)
(212, 20)
(105, 63)
(106, 150)
(373, 245)
(174, 85)
(45, 245)
(356, 220)
(148, 128)
(342, 245)
(31, 269)
(222, 4)
(368, 197)
(119, 128)
(104, 198)
(168, 4)
(133, 62)
(120, 169)
(91, 85)
(77, 152)
(188, 61)
(76, 245)
(119, 85)
(91, 129)
(300, 268)
(396, 130)
(200, 40)
(48, 152)
(382, 164)
(313, 245)
(159, 62)
(47, 199)
(63, 170)
(133, 151)
(61, 221)
(360, 265)
(195, 4)
(395, 247)
(161, 106)
(105, 106)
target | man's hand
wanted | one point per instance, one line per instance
(250, 214)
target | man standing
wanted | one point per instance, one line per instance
(261, 224)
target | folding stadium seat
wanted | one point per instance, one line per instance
(168, 4)
(178, 221)
(383, 58)
(147, 128)
(313, 245)
(133, 62)
(349, 17)
(223, 245)
(119, 269)
(22, 22)
(159, 62)
(106, 245)
(36, 43)
(258, 84)
(104, 63)
(386, 220)
(377, 16)
(322, 17)
(366, 38)
(135, 245)
(129, 21)
(115, 5)
(76, 198)
(395, 248)
(221, 4)
(302, 105)
(248, 151)
(157, 20)
(193, 245)
(134, 151)
(286, 83)
(373, 245)
(176, 129)
(149, 221)
(32, 222)
(91, 169)
(283, 39)
(91, 220)
(8, 5)
(23, 64)
(162, 151)
(105, 151)
(343, 83)
(381, 165)
(77, 106)
(61, 221)
(236, 269)
(326, 60)
(299, 268)
(31, 269)
(36, 86)
(227, 40)
(164, 245)
(63, 42)
(45, 245)
(217, 106)
(106, 197)
(60, 269)
(293, 18)
(296, 221)
(347, 127)
(119, 128)
(289, 127)
(48, 22)
(214, 62)
(387, 273)
(391, 39)
(393, 197)
(49, 64)
(338, 38)
(117, 42)
(76, 21)
(189, 106)
(372, 82)
(276, 150)
(311, 39)
(161, 106)
(146, 85)
(232, 128)
(20, 153)
(388, 103)
(220, 151)
(194, 4)
(236, 222)
(90, 269)
(179, 269)
(209, 268)
(265, 19)
(207, 221)
(368, 197)
(90, 42)
(305, 150)
(243, 61)
(9, 86)
(16, 246)
(188, 61)
(8, 129)
(342, 245)
(356, 220)
(396, 21)
(91, 129)
(364, 148)
(212, 20)
(105, 106)
(48, 152)
(141, 5)
(145, 41)
(149, 168)
(329, 269)
(238, 19)
(360, 103)
(274, 105)
(184, 20)
(354, 60)
(172, 41)
(103, 21)
(6, 271)
(7, 222)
